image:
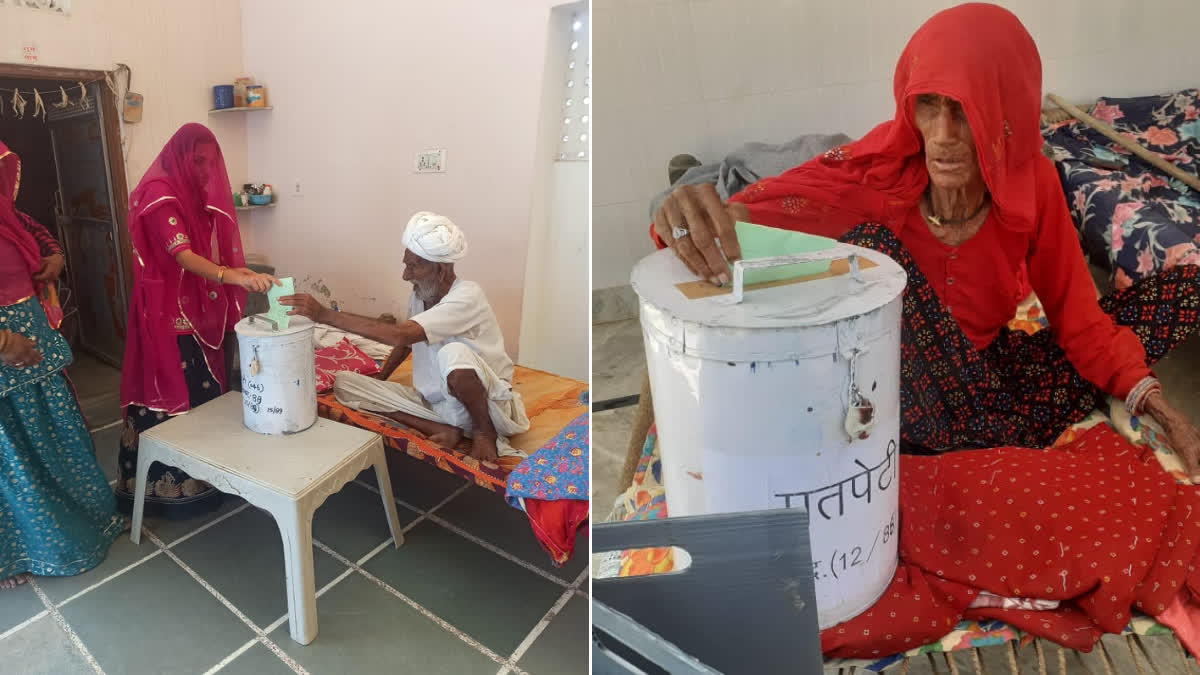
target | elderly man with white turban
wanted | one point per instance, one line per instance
(462, 377)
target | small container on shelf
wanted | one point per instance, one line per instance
(256, 96)
(222, 97)
(260, 200)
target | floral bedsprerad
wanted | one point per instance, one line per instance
(1135, 220)
(559, 470)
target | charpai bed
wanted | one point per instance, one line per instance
(550, 485)
(646, 499)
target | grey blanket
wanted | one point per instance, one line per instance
(752, 162)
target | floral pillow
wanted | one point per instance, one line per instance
(343, 356)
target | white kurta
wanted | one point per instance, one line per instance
(461, 334)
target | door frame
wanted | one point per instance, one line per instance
(111, 116)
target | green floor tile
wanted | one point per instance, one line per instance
(18, 605)
(155, 619)
(122, 554)
(418, 483)
(41, 648)
(364, 630)
(491, 599)
(564, 646)
(242, 557)
(258, 660)
(353, 522)
(488, 516)
(171, 531)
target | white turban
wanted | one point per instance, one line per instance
(434, 238)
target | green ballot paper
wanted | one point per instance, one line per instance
(758, 241)
(279, 313)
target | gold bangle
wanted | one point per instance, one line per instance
(221, 274)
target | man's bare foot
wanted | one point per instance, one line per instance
(13, 582)
(449, 437)
(484, 449)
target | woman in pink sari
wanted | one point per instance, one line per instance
(187, 296)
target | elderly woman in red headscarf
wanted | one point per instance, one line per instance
(57, 515)
(955, 189)
(187, 296)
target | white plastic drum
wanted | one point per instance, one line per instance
(279, 391)
(787, 399)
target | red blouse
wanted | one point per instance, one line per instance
(979, 283)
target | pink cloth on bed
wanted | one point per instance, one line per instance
(341, 357)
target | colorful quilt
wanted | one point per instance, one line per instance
(1135, 221)
(646, 499)
(559, 470)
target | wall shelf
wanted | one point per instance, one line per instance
(252, 207)
(242, 109)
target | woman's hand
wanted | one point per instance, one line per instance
(698, 211)
(19, 351)
(51, 270)
(1184, 437)
(250, 280)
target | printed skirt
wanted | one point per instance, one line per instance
(57, 513)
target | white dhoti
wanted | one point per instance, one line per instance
(505, 407)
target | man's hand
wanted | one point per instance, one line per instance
(698, 210)
(1182, 434)
(305, 305)
(51, 270)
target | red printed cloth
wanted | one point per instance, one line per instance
(343, 356)
(1097, 525)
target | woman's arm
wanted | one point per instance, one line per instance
(53, 260)
(47, 245)
(1105, 354)
(203, 267)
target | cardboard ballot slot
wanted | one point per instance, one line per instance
(699, 289)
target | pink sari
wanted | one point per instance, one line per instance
(153, 377)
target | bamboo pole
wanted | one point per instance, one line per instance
(1128, 143)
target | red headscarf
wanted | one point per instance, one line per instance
(154, 378)
(11, 227)
(978, 54)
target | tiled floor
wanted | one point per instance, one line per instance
(470, 591)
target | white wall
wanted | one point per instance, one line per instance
(358, 89)
(554, 332)
(177, 49)
(703, 76)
